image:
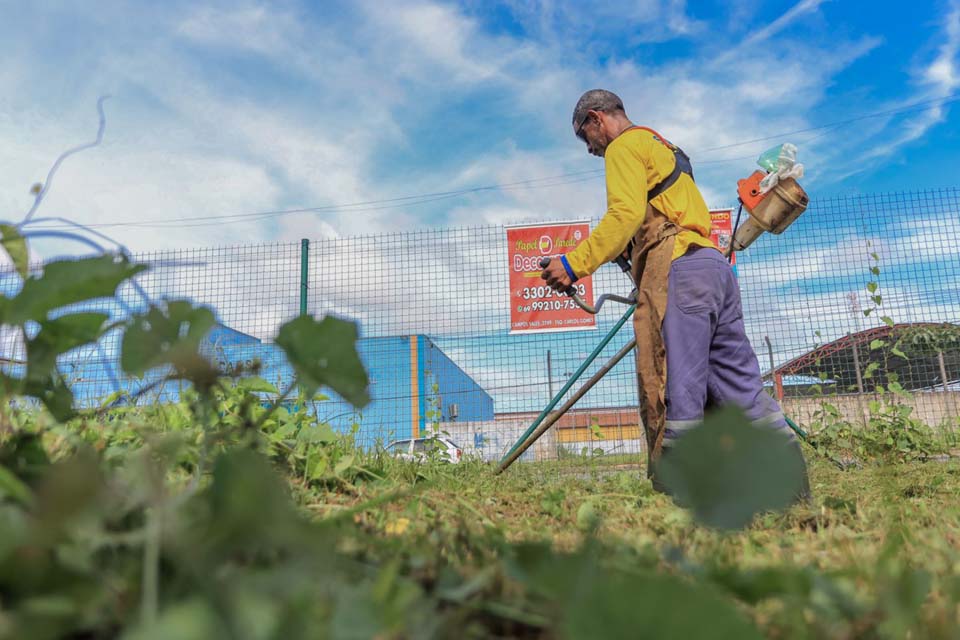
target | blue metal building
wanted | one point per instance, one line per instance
(413, 384)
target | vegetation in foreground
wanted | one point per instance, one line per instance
(107, 533)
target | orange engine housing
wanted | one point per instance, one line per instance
(748, 190)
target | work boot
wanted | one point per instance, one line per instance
(658, 485)
(804, 496)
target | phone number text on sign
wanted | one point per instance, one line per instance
(535, 307)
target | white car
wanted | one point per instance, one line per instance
(417, 449)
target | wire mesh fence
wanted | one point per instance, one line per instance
(859, 297)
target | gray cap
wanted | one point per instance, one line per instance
(595, 100)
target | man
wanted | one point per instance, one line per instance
(692, 348)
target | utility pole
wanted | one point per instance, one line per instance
(776, 386)
(855, 310)
(770, 354)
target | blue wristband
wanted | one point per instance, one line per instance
(566, 265)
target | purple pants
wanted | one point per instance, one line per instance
(709, 359)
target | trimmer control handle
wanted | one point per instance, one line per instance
(571, 290)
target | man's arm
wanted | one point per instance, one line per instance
(626, 209)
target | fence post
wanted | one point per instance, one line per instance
(304, 262)
(864, 414)
(856, 364)
(949, 400)
(943, 371)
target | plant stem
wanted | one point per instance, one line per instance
(150, 588)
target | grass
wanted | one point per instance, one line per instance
(874, 555)
(850, 517)
(868, 535)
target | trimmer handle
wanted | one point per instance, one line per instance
(571, 290)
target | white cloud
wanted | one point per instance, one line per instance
(138, 185)
(366, 69)
(256, 28)
(943, 71)
(433, 33)
(758, 36)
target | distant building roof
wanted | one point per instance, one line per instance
(921, 369)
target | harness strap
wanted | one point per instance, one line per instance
(682, 165)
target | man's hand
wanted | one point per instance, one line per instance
(556, 276)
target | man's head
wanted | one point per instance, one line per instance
(598, 118)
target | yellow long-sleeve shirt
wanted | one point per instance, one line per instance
(635, 162)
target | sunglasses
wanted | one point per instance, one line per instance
(583, 123)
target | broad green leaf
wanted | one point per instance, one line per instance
(169, 335)
(11, 486)
(10, 387)
(593, 599)
(317, 467)
(754, 585)
(887, 320)
(59, 336)
(54, 393)
(343, 464)
(256, 384)
(875, 270)
(324, 353)
(871, 287)
(587, 517)
(67, 282)
(194, 619)
(249, 501)
(286, 430)
(24, 455)
(727, 470)
(897, 352)
(608, 606)
(69, 488)
(16, 248)
(901, 597)
(595, 430)
(877, 344)
(321, 433)
(871, 368)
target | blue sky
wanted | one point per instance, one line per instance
(223, 108)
